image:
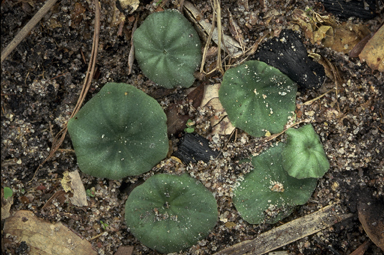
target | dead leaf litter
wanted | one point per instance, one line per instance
(41, 81)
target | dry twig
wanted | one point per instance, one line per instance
(217, 9)
(288, 233)
(59, 138)
(131, 56)
(26, 29)
(317, 98)
(208, 31)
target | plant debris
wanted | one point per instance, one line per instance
(192, 148)
(42, 79)
(288, 54)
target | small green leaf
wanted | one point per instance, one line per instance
(169, 213)
(104, 225)
(120, 132)
(189, 123)
(90, 192)
(189, 130)
(258, 97)
(7, 193)
(267, 193)
(303, 154)
(168, 49)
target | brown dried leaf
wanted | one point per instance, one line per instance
(66, 182)
(196, 95)
(301, 18)
(355, 52)
(220, 123)
(210, 91)
(322, 33)
(134, 4)
(345, 36)
(331, 70)
(60, 196)
(54, 23)
(222, 127)
(44, 237)
(160, 92)
(373, 52)
(361, 249)
(175, 122)
(124, 250)
(79, 196)
(371, 216)
(315, 26)
(77, 15)
(230, 224)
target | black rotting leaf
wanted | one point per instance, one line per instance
(355, 8)
(288, 54)
(192, 148)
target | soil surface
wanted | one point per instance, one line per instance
(42, 79)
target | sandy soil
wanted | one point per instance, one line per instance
(41, 81)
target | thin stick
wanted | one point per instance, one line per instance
(208, 42)
(131, 56)
(97, 236)
(92, 62)
(59, 138)
(219, 35)
(312, 100)
(288, 233)
(26, 29)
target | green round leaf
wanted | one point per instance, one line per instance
(167, 49)
(267, 193)
(119, 132)
(257, 97)
(7, 192)
(169, 213)
(303, 154)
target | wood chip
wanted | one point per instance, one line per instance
(124, 250)
(79, 196)
(288, 233)
(43, 237)
(220, 123)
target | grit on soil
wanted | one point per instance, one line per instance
(42, 79)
